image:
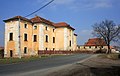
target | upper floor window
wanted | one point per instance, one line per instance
(25, 37)
(25, 50)
(46, 38)
(46, 28)
(25, 26)
(53, 39)
(70, 42)
(34, 27)
(53, 30)
(35, 38)
(11, 36)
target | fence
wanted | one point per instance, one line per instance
(40, 52)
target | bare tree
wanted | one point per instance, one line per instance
(107, 30)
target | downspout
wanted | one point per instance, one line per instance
(19, 52)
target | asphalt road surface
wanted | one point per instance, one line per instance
(41, 64)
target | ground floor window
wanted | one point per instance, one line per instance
(95, 46)
(89, 46)
(46, 49)
(25, 50)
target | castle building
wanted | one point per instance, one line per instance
(25, 37)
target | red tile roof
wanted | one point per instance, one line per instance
(38, 19)
(63, 24)
(95, 42)
(16, 18)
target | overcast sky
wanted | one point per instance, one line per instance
(80, 14)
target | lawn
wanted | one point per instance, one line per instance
(24, 59)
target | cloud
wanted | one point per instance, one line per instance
(82, 4)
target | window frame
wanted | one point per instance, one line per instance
(11, 36)
(34, 38)
(25, 50)
(35, 27)
(25, 37)
(46, 38)
(25, 25)
(46, 28)
(70, 43)
(53, 39)
(53, 30)
(89, 47)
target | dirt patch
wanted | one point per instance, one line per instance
(95, 66)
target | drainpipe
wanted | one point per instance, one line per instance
(19, 52)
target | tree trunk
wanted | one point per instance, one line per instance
(109, 50)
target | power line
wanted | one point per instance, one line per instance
(40, 8)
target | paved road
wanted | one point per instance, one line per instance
(14, 69)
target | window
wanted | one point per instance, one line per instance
(46, 40)
(45, 48)
(53, 30)
(70, 42)
(11, 36)
(35, 38)
(46, 28)
(101, 46)
(25, 50)
(25, 37)
(89, 46)
(53, 49)
(95, 46)
(53, 39)
(25, 26)
(34, 27)
(84, 47)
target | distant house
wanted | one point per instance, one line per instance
(93, 44)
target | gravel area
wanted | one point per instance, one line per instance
(94, 66)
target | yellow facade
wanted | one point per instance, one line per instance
(25, 38)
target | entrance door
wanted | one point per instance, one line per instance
(11, 53)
